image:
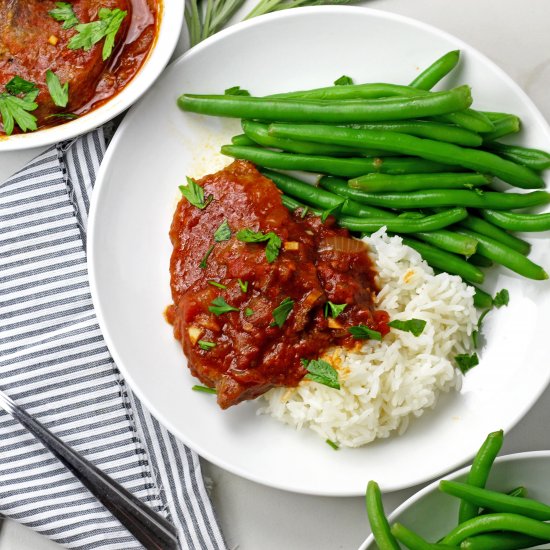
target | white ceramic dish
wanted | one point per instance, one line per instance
(170, 24)
(431, 513)
(129, 251)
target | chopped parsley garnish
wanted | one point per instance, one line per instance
(91, 33)
(305, 210)
(344, 80)
(202, 265)
(502, 298)
(18, 85)
(206, 346)
(236, 90)
(321, 372)
(194, 193)
(333, 310)
(204, 389)
(466, 362)
(63, 11)
(243, 285)
(223, 233)
(59, 93)
(332, 444)
(248, 311)
(15, 109)
(66, 116)
(219, 306)
(272, 239)
(362, 332)
(414, 326)
(217, 285)
(281, 312)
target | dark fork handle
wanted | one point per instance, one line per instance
(149, 528)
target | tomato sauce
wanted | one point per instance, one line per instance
(317, 262)
(33, 42)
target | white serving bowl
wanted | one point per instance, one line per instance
(431, 513)
(170, 19)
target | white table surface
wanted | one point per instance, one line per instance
(515, 35)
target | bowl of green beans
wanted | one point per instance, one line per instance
(494, 504)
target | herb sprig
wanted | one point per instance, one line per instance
(321, 372)
(63, 11)
(16, 105)
(273, 241)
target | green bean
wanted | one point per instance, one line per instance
(488, 229)
(429, 77)
(479, 471)
(520, 492)
(500, 541)
(412, 540)
(446, 240)
(243, 139)
(473, 159)
(258, 134)
(535, 159)
(390, 108)
(397, 224)
(492, 115)
(437, 197)
(376, 183)
(498, 522)
(467, 119)
(347, 167)
(502, 127)
(498, 502)
(480, 261)
(513, 221)
(482, 299)
(378, 522)
(445, 261)
(427, 129)
(505, 256)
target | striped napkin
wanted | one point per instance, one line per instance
(55, 363)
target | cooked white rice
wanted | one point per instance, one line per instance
(384, 384)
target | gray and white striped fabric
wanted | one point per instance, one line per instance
(55, 363)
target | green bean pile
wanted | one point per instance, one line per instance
(418, 162)
(487, 520)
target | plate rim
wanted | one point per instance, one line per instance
(100, 186)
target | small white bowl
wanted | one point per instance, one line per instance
(431, 513)
(170, 19)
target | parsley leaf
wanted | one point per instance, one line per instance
(91, 33)
(243, 285)
(58, 93)
(18, 85)
(334, 309)
(344, 80)
(236, 90)
(466, 362)
(502, 298)
(332, 444)
(362, 332)
(217, 285)
(321, 372)
(194, 193)
(64, 12)
(273, 241)
(204, 389)
(14, 109)
(219, 306)
(415, 326)
(202, 265)
(223, 233)
(248, 312)
(206, 346)
(281, 312)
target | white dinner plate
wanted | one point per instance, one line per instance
(157, 145)
(432, 514)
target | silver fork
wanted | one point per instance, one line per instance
(149, 528)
